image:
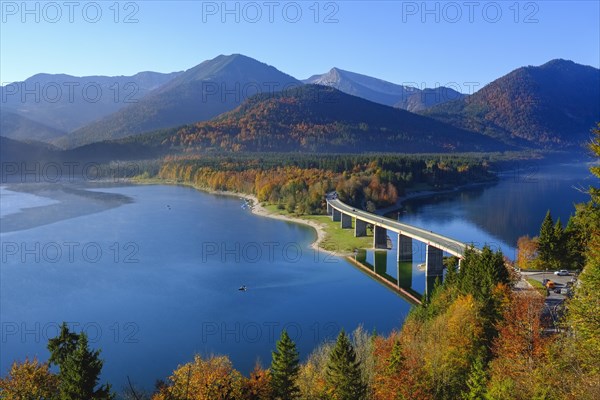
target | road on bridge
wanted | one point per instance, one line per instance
(444, 243)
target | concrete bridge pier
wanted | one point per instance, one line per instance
(336, 215)
(346, 221)
(360, 228)
(405, 250)
(379, 237)
(329, 209)
(434, 261)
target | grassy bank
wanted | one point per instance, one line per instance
(537, 285)
(337, 240)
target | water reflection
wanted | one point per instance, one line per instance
(496, 215)
(396, 275)
(508, 209)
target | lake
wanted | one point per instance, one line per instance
(152, 273)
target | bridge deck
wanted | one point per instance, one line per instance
(444, 243)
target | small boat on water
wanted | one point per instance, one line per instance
(243, 288)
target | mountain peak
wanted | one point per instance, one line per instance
(237, 65)
(198, 94)
(553, 105)
(383, 92)
(558, 62)
(337, 71)
(234, 57)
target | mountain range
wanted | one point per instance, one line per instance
(315, 118)
(16, 126)
(405, 97)
(200, 93)
(310, 118)
(553, 106)
(66, 103)
(237, 100)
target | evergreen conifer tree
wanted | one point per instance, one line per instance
(546, 240)
(79, 367)
(285, 368)
(343, 371)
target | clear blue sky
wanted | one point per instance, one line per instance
(399, 41)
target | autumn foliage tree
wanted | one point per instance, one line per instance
(527, 249)
(520, 347)
(29, 380)
(210, 379)
(398, 368)
(259, 384)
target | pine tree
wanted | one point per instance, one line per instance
(476, 382)
(285, 368)
(546, 240)
(61, 346)
(396, 359)
(559, 247)
(480, 272)
(343, 371)
(79, 367)
(574, 244)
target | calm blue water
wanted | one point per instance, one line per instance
(496, 214)
(501, 213)
(155, 281)
(151, 273)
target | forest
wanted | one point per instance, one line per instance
(315, 118)
(298, 183)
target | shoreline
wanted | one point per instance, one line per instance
(428, 193)
(257, 209)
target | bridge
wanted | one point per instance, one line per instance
(436, 244)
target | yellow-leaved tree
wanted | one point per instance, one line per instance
(210, 379)
(29, 380)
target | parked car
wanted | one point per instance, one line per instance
(562, 272)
